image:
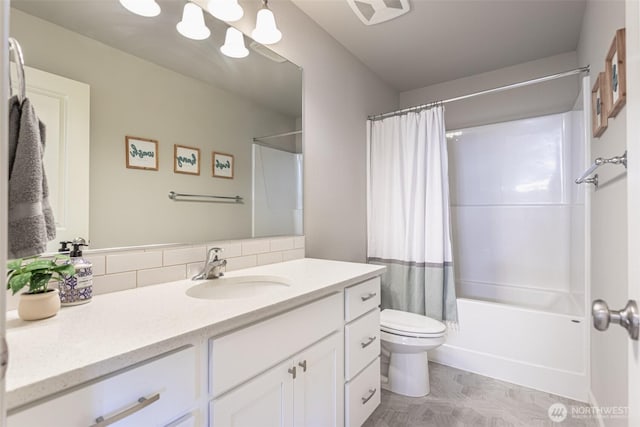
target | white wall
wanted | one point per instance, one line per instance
(547, 98)
(131, 96)
(608, 217)
(339, 94)
(511, 203)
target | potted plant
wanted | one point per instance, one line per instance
(38, 301)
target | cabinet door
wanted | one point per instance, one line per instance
(318, 389)
(265, 401)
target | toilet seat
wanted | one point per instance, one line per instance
(407, 324)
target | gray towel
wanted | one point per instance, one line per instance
(31, 223)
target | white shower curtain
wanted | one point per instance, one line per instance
(409, 228)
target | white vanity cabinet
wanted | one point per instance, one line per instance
(362, 351)
(156, 393)
(311, 360)
(302, 391)
(285, 371)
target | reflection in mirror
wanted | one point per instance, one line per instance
(144, 80)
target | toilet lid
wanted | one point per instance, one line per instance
(416, 324)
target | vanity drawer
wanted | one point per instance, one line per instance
(361, 298)
(362, 395)
(169, 384)
(362, 342)
(240, 356)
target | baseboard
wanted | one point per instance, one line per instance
(562, 383)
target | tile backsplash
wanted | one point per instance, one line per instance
(127, 268)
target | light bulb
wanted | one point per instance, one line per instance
(225, 10)
(234, 44)
(146, 8)
(266, 31)
(192, 25)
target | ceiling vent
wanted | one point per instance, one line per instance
(373, 12)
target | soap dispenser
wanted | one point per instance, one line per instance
(78, 287)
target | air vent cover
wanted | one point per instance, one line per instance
(376, 11)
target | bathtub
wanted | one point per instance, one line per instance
(530, 337)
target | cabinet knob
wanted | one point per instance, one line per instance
(292, 371)
(303, 365)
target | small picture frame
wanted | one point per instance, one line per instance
(186, 159)
(142, 153)
(222, 165)
(616, 74)
(599, 114)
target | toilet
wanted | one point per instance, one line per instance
(405, 339)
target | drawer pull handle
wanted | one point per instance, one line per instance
(303, 365)
(292, 371)
(143, 402)
(368, 343)
(368, 296)
(372, 391)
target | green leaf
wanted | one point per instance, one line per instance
(66, 269)
(43, 264)
(14, 264)
(19, 281)
(39, 282)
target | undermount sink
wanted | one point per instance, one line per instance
(238, 287)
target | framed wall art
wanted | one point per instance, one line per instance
(186, 159)
(222, 165)
(616, 74)
(599, 106)
(142, 153)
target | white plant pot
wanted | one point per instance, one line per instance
(39, 306)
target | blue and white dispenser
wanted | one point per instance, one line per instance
(77, 288)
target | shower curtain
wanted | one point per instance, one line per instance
(408, 220)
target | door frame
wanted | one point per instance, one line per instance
(632, 16)
(4, 182)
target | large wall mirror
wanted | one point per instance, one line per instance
(100, 74)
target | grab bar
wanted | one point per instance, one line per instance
(175, 196)
(617, 160)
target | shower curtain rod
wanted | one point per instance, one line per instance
(482, 92)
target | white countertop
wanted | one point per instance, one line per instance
(116, 330)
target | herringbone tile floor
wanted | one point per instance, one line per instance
(460, 399)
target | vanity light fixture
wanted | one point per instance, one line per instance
(225, 10)
(192, 25)
(146, 8)
(266, 31)
(234, 44)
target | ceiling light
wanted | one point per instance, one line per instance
(225, 10)
(266, 31)
(234, 44)
(146, 8)
(192, 25)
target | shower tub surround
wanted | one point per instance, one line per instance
(119, 269)
(519, 239)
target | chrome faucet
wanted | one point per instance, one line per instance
(213, 267)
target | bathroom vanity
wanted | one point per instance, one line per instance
(305, 354)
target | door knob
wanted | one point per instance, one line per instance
(628, 317)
